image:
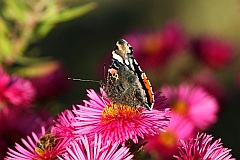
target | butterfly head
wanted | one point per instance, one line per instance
(123, 48)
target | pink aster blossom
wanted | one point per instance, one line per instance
(203, 147)
(117, 122)
(193, 102)
(63, 125)
(154, 48)
(28, 150)
(213, 51)
(15, 90)
(165, 144)
(16, 123)
(85, 149)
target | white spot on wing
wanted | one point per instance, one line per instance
(135, 62)
(127, 62)
(117, 57)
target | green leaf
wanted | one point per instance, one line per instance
(26, 61)
(5, 44)
(44, 29)
(48, 22)
(5, 48)
(15, 10)
(71, 13)
(3, 27)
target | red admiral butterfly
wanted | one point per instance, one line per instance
(126, 83)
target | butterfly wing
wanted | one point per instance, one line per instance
(126, 83)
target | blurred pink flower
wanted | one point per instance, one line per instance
(153, 48)
(165, 144)
(214, 52)
(15, 91)
(14, 124)
(28, 150)
(50, 79)
(117, 122)
(193, 102)
(202, 147)
(85, 149)
(173, 37)
(210, 84)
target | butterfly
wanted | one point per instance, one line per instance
(126, 83)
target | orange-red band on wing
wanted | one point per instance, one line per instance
(148, 87)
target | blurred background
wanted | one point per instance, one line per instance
(174, 41)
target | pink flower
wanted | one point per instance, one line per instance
(16, 123)
(193, 102)
(203, 148)
(15, 91)
(165, 144)
(153, 48)
(213, 51)
(45, 150)
(211, 84)
(117, 122)
(85, 149)
(173, 37)
(63, 125)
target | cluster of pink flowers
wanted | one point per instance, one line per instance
(16, 95)
(19, 113)
(154, 48)
(76, 131)
(188, 105)
(195, 101)
(99, 129)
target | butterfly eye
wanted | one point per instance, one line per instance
(121, 41)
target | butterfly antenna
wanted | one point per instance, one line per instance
(84, 80)
(104, 72)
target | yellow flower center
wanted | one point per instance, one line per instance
(168, 139)
(180, 107)
(115, 111)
